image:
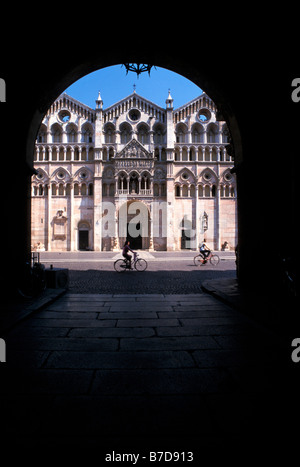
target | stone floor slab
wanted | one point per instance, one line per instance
(128, 359)
(107, 366)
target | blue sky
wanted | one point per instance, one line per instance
(114, 85)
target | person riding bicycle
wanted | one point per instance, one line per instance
(127, 248)
(204, 250)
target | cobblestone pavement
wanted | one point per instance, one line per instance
(91, 272)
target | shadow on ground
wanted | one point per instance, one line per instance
(164, 282)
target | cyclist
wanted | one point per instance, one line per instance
(127, 248)
(204, 250)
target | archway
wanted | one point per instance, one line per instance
(83, 241)
(134, 225)
(75, 68)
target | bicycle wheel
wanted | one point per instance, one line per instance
(140, 264)
(214, 260)
(120, 265)
(198, 260)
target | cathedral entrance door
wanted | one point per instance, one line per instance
(136, 242)
(134, 225)
(83, 240)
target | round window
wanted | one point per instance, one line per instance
(134, 115)
(228, 176)
(64, 116)
(207, 176)
(204, 115)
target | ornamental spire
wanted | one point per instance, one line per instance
(169, 101)
(99, 101)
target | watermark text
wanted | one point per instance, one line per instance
(2, 351)
(2, 90)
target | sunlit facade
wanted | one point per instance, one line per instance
(159, 176)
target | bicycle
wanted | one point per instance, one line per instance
(213, 258)
(139, 264)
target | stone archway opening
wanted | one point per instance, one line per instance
(222, 103)
(134, 225)
(138, 169)
(83, 243)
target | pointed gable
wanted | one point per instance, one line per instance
(134, 101)
(134, 150)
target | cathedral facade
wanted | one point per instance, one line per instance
(160, 177)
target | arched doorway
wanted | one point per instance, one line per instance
(134, 225)
(83, 236)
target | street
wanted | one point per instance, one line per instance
(167, 272)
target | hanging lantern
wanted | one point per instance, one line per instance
(138, 68)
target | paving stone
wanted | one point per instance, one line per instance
(147, 322)
(205, 308)
(18, 333)
(83, 307)
(71, 343)
(163, 381)
(193, 314)
(66, 315)
(88, 360)
(138, 307)
(204, 330)
(76, 323)
(169, 343)
(219, 320)
(112, 332)
(129, 315)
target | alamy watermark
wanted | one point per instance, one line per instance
(296, 92)
(134, 219)
(295, 356)
(2, 351)
(2, 90)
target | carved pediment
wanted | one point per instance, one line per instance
(134, 150)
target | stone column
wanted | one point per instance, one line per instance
(72, 232)
(97, 207)
(49, 219)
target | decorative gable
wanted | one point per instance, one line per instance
(134, 150)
